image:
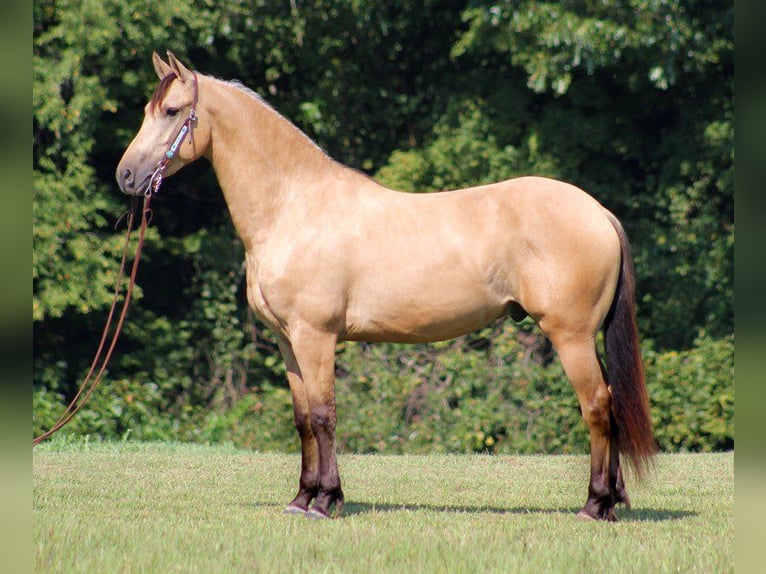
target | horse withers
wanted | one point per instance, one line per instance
(332, 255)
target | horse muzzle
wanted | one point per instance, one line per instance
(133, 181)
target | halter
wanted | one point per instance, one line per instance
(186, 128)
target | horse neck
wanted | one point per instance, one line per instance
(260, 160)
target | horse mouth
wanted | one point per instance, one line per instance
(139, 189)
(142, 187)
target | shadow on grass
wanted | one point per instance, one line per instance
(637, 515)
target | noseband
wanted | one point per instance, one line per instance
(186, 128)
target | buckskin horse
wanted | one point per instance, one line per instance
(332, 255)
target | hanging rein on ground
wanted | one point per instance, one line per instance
(332, 255)
(104, 352)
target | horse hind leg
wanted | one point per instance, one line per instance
(586, 374)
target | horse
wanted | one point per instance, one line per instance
(332, 255)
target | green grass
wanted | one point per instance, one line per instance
(184, 508)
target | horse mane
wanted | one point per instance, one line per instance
(250, 92)
(271, 109)
(164, 85)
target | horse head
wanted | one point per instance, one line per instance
(171, 135)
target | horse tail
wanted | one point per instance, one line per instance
(625, 371)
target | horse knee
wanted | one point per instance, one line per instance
(323, 418)
(303, 424)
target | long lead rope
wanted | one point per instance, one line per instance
(90, 382)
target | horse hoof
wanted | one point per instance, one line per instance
(290, 509)
(585, 517)
(316, 514)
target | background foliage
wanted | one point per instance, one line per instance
(631, 100)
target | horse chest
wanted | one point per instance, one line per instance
(282, 292)
(256, 297)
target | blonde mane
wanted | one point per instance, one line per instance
(258, 98)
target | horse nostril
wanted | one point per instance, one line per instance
(128, 180)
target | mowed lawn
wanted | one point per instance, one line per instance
(163, 508)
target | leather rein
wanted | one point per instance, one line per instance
(90, 382)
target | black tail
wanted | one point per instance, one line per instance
(625, 371)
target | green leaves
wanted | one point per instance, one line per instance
(633, 101)
(465, 151)
(652, 40)
(67, 252)
(692, 396)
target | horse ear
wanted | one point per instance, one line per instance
(183, 73)
(160, 67)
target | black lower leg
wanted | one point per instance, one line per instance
(308, 486)
(330, 492)
(601, 502)
(301, 502)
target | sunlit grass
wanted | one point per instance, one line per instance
(183, 508)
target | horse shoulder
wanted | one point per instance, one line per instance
(299, 275)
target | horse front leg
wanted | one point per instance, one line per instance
(314, 354)
(308, 485)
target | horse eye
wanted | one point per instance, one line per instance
(172, 112)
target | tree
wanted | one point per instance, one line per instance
(630, 100)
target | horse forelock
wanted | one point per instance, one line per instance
(161, 90)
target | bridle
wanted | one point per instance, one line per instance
(186, 128)
(89, 384)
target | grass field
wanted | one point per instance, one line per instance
(182, 508)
